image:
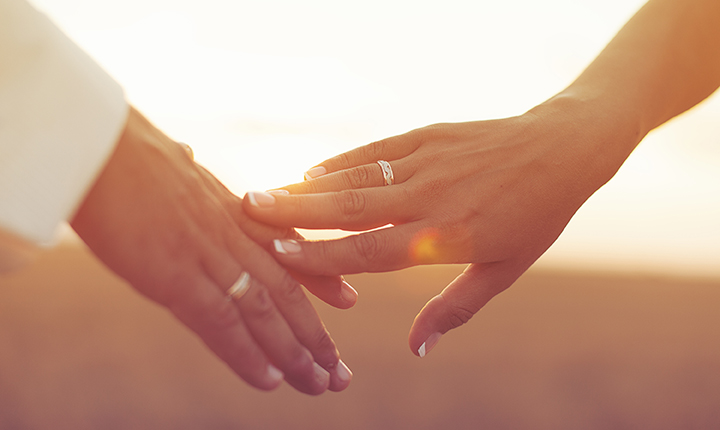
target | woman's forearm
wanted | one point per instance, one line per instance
(665, 60)
(498, 193)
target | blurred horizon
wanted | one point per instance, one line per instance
(264, 90)
(81, 350)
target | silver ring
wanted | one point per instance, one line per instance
(240, 287)
(387, 172)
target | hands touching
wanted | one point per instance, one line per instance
(495, 194)
(180, 238)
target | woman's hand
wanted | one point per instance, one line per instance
(333, 290)
(492, 193)
(169, 228)
(498, 193)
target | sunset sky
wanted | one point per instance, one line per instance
(263, 90)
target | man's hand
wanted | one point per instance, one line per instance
(164, 224)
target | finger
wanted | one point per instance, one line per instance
(265, 323)
(381, 250)
(204, 310)
(389, 149)
(279, 343)
(258, 232)
(333, 290)
(364, 176)
(348, 210)
(290, 299)
(459, 301)
(188, 150)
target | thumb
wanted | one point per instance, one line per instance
(459, 301)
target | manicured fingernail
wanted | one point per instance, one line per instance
(287, 246)
(315, 172)
(343, 372)
(321, 375)
(349, 294)
(279, 192)
(274, 373)
(429, 344)
(260, 200)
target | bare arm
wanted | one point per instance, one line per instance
(497, 194)
(665, 60)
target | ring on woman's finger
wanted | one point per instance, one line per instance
(240, 287)
(387, 172)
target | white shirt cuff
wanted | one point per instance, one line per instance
(60, 117)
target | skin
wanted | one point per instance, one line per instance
(497, 194)
(180, 238)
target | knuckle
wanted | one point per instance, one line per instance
(324, 252)
(311, 187)
(431, 188)
(350, 203)
(441, 133)
(370, 151)
(375, 150)
(344, 160)
(298, 361)
(368, 247)
(356, 178)
(178, 244)
(260, 304)
(323, 347)
(221, 317)
(291, 292)
(170, 288)
(425, 134)
(437, 129)
(458, 315)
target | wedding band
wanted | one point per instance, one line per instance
(240, 287)
(387, 172)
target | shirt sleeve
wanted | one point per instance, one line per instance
(60, 117)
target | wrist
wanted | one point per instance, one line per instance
(589, 137)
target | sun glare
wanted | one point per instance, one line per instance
(423, 248)
(265, 90)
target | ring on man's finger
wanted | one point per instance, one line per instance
(387, 172)
(240, 287)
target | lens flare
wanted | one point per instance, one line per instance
(424, 246)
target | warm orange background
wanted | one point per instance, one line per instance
(265, 89)
(80, 350)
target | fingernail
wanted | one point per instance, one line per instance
(348, 293)
(279, 192)
(259, 199)
(287, 246)
(321, 375)
(315, 172)
(429, 344)
(274, 373)
(343, 372)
